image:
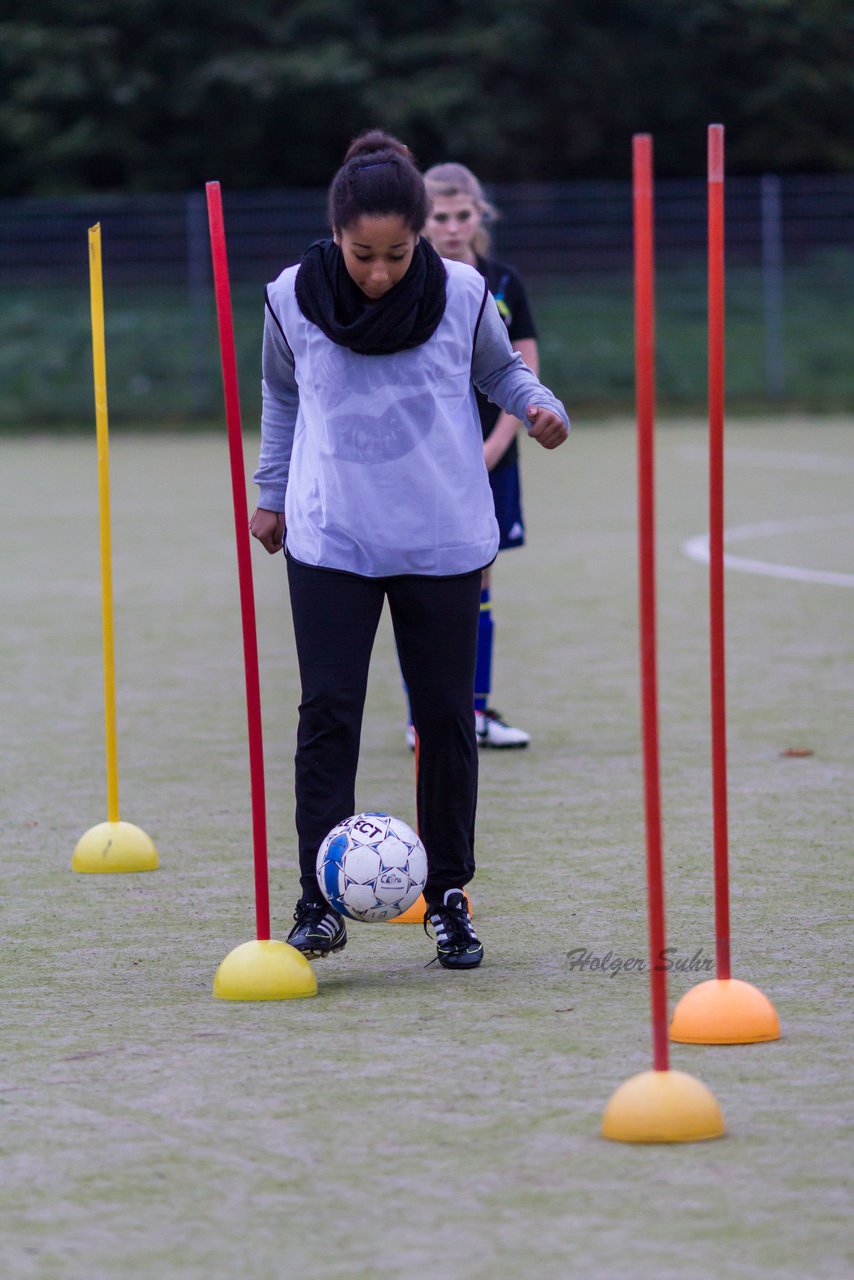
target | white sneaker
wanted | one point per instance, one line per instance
(492, 731)
(410, 736)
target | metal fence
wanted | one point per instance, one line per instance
(790, 272)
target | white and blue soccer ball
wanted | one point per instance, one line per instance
(371, 867)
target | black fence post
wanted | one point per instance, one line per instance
(772, 285)
(200, 293)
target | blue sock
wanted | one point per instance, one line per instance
(483, 664)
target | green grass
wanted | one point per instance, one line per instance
(163, 357)
(407, 1121)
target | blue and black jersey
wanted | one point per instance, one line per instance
(509, 293)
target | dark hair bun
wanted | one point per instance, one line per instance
(378, 177)
(374, 143)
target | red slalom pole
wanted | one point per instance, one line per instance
(244, 561)
(645, 404)
(716, 543)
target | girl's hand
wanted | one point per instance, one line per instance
(546, 427)
(269, 528)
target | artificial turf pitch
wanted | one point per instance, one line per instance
(408, 1115)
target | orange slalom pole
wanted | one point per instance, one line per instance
(722, 1010)
(716, 543)
(645, 404)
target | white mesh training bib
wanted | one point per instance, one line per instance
(387, 473)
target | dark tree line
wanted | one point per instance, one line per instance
(158, 95)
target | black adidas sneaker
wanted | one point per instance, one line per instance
(318, 930)
(457, 944)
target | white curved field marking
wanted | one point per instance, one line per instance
(697, 548)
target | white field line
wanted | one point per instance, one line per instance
(697, 548)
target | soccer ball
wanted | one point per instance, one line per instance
(371, 867)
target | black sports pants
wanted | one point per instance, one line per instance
(435, 620)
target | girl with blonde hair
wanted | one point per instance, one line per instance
(458, 228)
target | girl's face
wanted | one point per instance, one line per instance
(451, 225)
(377, 251)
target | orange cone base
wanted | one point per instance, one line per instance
(415, 914)
(662, 1106)
(264, 970)
(724, 1011)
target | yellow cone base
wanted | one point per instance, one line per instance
(724, 1011)
(662, 1106)
(415, 914)
(113, 847)
(267, 970)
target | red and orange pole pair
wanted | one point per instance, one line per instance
(663, 1105)
(660, 1105)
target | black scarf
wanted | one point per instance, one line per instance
(404, 317)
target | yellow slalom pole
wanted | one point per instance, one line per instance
(111, 846)
(96, 291)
